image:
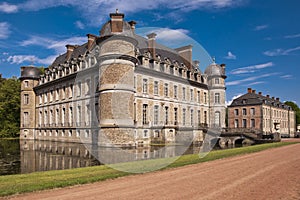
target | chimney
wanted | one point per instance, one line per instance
(70, 49)
(277, 99)
(254, 91)
(196, 63)
(268, 96)
(91, 40)
(151, 44)
(116, 22)
(260, 93)
(249, 90)
(273, 98)
(132, 25)
(186, 53)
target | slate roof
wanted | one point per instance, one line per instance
(161, 50)
(257, 99)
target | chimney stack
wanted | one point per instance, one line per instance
(91, 40)
(254, 91)
(277, 99)
(186, 53)
(273, 98)
(116, 22)
(249, 90)
(132, 25)
(268, 96)
(260, 93)
(70, 49)
(151, 44)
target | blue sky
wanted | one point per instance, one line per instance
(258, 40)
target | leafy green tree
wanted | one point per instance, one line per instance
(10, 107)
(295, 108)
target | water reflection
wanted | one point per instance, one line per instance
(26, 156)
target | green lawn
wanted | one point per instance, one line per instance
(14, 184)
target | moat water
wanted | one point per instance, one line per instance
(19, 157)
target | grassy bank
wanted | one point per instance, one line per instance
(13, 184)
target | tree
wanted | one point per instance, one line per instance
(295, 108)
(10, 107)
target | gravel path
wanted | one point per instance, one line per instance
(271, 174)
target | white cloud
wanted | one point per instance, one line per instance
(251, 69)
(261, 27)
(230, 56)
(288, 76)
(167, 34)
(32, 59)
(281, 52)
(233, 98)
(8, 8)
(94, 7)
(4, 30)
(292, 36)
(256, 83)
(249, 79)
(57, 45)
(79, 25)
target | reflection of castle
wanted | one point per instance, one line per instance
(140, 91)
(51, 155)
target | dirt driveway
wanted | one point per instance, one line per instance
(271, 174)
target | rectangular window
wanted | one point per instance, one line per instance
(244, 111)
(155, 120)
(171, 70)
(175, 91)
(217, 81)
(26, 83)
(64, 92)
(156, 87)
(205, 117)
(166, 115)
(198, 96)
(252, 111)
(41, 98)
(205, 98)
(192, 94)
(57, 116)
(78, 115)
(183, 116)
(162, 67)
(183, 94)
(26, 99)
(252, 123)
(63, 117)
(236, 112)
(71, 91)
(244, 123)
(166, 90)
(79, 89)
(145, 85)
(199, 117)
(192, 117)
(145, 107)
(51, 95)
(236, 123)
(70, 115)
(46, 97)
(57, 94)
(175, 116)
(217, 98)
(88, 87)
(26, 119)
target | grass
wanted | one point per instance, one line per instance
(21, 183)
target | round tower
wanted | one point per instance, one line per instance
(116, 58)
(217, 94)
(29, 79)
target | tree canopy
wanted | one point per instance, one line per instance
(10, 107)
(295, 107)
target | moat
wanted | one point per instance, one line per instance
(26, 156)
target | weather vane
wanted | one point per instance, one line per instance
(117, 11)
(214, 59)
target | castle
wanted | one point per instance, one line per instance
(122, 89)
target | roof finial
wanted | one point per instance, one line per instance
(117, 10)
(214, 59)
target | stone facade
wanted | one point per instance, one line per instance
(122, 89)
(261, 114)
